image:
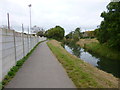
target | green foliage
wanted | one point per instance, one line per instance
(69, 36)
(75, 38)
(55, 33)
(14, 68)
(73, 68)
(109, 29)
(74, 35)
(82, 74)
(19, 63)
(38, 30)
(103, 50)
(77, 33)
(4, 83)
(0, 85)
(40, 33)
(11, 73)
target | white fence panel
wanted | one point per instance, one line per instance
(13, 47)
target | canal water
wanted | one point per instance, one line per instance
(107, 65)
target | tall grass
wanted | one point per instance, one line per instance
(103, 50)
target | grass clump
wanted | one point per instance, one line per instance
(0, 85)
(15, 68)
(103, 50)
(82, 74)
(93, 45)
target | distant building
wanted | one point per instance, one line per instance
(88, 34)
(84, 34)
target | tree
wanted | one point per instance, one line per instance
(77, 32)
(69, 36)
(74, 36)
(55, 33)
(109, 32)
(40, 33)
(38, 30)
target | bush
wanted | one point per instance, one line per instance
(11, 73)
(4, 82)
(14, 68)
(20, 63)
(7, 77)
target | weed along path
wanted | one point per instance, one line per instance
(41, 70)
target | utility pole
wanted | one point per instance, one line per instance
(30, 16)
(30, 24)
(8, 21)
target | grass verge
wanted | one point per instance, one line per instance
(82, 74)
(92, 45)
(15, 68)
(102, 50)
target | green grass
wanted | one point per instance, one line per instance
(79, 77)
(0, 85)
(103, 50)
(14, 69)
(83, 75)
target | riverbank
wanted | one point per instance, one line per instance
(94, 46)
(82, 74)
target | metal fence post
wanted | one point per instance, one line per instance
(14, 45)
(8, 21)
(30, 42)
(28, 39)
(23, 39)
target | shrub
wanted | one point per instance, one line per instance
(11, 73)
(20, 62)
(14, 68)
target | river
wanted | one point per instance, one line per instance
(107, 65)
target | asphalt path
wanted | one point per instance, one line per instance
(41, 70)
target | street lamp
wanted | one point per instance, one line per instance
(30, 16)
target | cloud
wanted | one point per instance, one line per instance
(48, 13)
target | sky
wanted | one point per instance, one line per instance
(68, 14)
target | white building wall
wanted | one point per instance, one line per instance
(0, 55)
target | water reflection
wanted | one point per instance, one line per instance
(110, 66)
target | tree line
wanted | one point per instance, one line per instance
(108, 32)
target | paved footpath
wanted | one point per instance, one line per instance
(41, 70)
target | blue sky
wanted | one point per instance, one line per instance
(69, 14)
